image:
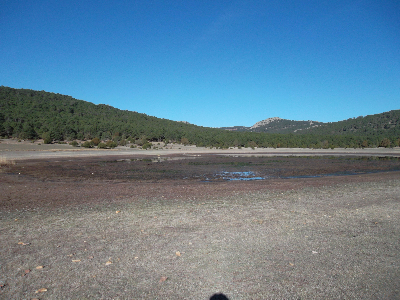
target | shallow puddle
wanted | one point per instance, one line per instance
(249, 175)
(238, 176)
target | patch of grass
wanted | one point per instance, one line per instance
(5, 162)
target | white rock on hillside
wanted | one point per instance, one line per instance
(265, 122)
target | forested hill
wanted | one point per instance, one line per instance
(277, 125)
(29, 114)
(387, 123)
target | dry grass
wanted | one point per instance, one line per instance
(5, 162)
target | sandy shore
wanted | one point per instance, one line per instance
(13, 150)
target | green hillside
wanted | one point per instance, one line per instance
(29, 114)
(385, 124)
(286, 126)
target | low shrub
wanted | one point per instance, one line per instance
(101, 146)
(87, 144)
(111, 144)
(96, 141)
(47, 139)
(147, 146)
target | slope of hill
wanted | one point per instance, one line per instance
(387, 123)
(276, 125)
(28, 114)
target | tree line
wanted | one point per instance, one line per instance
(29, 114)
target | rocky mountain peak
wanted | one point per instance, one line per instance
(265, 122)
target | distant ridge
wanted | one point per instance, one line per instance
(277, 125)
(387, 123)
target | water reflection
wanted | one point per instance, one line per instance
(238, 176)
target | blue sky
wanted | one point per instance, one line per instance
(211, 63)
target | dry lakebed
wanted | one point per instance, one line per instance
(189, 223)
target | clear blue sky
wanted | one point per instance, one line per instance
(211, 63)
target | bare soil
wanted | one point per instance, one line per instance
(185, 227)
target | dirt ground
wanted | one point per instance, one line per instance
(180, 226)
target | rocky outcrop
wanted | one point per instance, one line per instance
(265, 122)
